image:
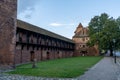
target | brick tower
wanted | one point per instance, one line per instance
(81, 38)
(8, 14)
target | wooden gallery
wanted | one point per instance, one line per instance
(36, 43)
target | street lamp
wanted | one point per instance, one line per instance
(114, 51)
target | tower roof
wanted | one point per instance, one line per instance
(81, 31)
(80, 25)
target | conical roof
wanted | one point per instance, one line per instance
(81, 31)
(80, 26)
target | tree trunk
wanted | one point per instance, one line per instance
(111, 52)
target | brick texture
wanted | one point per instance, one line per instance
(8, 15)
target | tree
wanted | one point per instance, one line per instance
(102, 31)
(110, 33)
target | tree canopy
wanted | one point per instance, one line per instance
(104, 31)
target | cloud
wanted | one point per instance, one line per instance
(26, 14)
(60, 24)
(24, 4)
(55, 24)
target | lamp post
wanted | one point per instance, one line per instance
(114, 51)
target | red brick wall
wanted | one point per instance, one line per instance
(38, 54)
(24, 55)
(8, 15)
(18, 56)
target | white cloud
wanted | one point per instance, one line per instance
(24, 4)
(26, 14)
(60, 24)
(55, 24)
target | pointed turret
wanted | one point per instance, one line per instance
(80, 26)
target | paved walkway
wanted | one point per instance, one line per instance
(106, 69)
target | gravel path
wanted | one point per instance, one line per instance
(106, 69)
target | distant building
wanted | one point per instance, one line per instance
(81, 38)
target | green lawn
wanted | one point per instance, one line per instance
(63, 68)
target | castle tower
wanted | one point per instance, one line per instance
(8, 14)
(81, 38)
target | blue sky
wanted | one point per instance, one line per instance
(63, 16)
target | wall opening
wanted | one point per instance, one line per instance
(32, 55)
(84, 53)
(48, 55)
(58, 54)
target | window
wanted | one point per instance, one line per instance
(87, 38)
(83, 46)
(80, 45)
(83, 39)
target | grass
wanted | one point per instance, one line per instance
(62, 68)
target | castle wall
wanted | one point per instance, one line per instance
(31, 45)
(8, 13)
(24, 55)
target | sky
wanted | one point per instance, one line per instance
(63, 16)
